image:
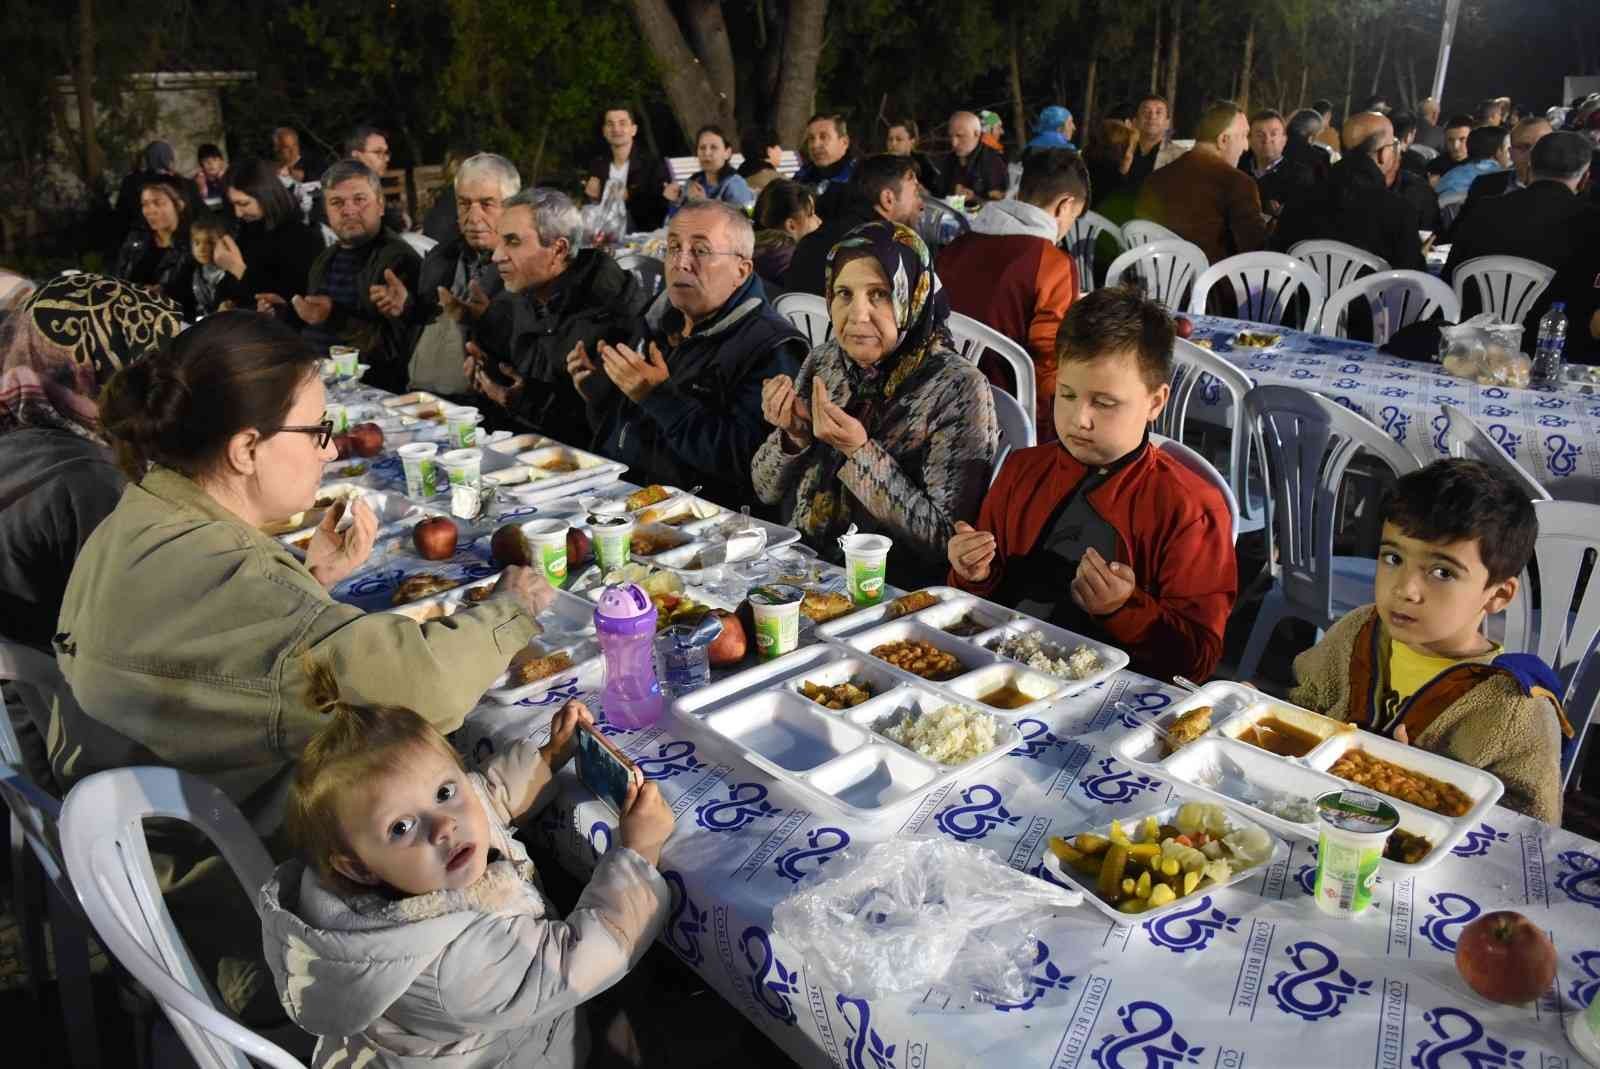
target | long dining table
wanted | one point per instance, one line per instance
(1252, 975)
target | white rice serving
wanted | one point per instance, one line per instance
(952, 735)
(1030, 649)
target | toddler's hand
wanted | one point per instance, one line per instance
(563, 727)
(646, 823)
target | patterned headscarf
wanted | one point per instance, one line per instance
(71, 336)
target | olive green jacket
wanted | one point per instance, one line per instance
(182, 635)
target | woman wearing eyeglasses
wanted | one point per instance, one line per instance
(186, 633)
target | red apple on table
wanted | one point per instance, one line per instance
(435, 538)
(731, 644)
(1505, 957)
(578, 548)
(366, 439)
(344, 445)
(1183, 325)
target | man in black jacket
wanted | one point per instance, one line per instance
(972, 168)
(885, 187)
(684, 406)
(642, 175)
(1526, 134)
(1278, 178)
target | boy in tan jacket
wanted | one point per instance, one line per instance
(1416, 665)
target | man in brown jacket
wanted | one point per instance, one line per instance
(1203, 196)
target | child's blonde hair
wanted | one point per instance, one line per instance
(358, 743)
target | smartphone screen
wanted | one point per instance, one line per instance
(602, 769)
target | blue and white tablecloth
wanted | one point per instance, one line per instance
(1553, 434)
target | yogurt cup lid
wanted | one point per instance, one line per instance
(776, 594)
(610, 521)
(418, 449)
(865, 543)
(461, 456)
(1357, 812)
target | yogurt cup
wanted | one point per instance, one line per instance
(344, 359)
(866, 558)
(776, 609)
(547, 540)
(461, 426)
(339, 414)
(1353, 827)
(462, 467)
(419, 461)
(612, 536)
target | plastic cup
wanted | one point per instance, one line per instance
(462, 467)
(866, 562)
(461, 426)
(418, 459)
(1354, 827)
(612, 536)
(548, 541)
(339, 414)
(345, 358)
(776, 610)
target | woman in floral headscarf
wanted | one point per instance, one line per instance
(886, 426)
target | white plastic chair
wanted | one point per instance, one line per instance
(809, 314)
(1336, 263)
(1397, 299)
(1563, 633)
(1450, 207)
(973, 339)
(1136, 232)
(1264, 285)
(1191, 364)
(1309, 442)
(1464, 438)
(1167, 268)
(421, 243)
(649, 272)
(1202, 467)
(1506, 285)
(940, 224)
(1016, 428)
(1080, 245)
(1426, 152)
(102, 835)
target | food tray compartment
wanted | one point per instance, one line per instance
(581, 467)
(874, 778)
(906, 701)
(1321, 727)
(782, 729)
(1031, 692)
(585, 654)
(844, 627)
(970, 657)
(406, 400)
(391, 509)
(692, 707)
(1058, 642)
(1141, 746)
(966, 609)
(863, 670)
(680, 510)
(1164, 815)
(518, 443)
(1483, 788)
(662, 540)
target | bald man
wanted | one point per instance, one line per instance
(1356, 204)
(1526, 134)
(972, 169)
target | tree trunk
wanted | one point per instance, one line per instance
(1305, 76)
(1087, 118)
(797, 85)
(694, 100)
(1172, 58)
(1019, 114)
(1350, 70)
(1246, 65)
(83, 83)
(1155, 51)
(1383, 57)
(708, 32)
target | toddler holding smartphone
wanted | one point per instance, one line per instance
(413, 931)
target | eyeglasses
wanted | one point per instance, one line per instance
(323, 431)
(696, 252)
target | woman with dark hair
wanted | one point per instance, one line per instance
(186, 632)
(716, 179)
(785, 212)
(274, 249)
(155, 254)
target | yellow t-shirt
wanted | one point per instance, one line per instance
(1409, 670)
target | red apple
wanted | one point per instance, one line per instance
(435, 537)
(1505, 957)
(510, 546)
(730, 645)
(1183, 325)
(578, 549)
(344, 445)
(366, 439)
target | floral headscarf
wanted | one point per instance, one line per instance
(70, 337)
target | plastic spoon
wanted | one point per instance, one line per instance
(1145, 718)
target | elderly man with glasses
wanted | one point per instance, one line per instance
(682, 404)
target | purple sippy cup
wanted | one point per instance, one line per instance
(625, 622)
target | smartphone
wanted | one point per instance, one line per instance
(604, 769)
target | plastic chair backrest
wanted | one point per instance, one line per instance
(34, 807)
(1016, 427)
(1450, 207)
(1202, 467)
(1396, 298)
(1464, 438)
(1136, 232)
(1309, 442)
(973, 339)
(1080, 244)
(809, 314)
(649, 272)
(102, 836)
(1506, 285)
(1336, 263)
(1166, 268)
(940, 224)
(1196, 369)
(1264, 284)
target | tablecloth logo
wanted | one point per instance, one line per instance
(821, 844)
(1347, 384)
(1586, 988)
(600, 836)
(1145, 701)
(1341, 399)
(1395, 422)
(563, 690)
(1326, 996)
(1441, 426)
(1550, 402)
(1448, 399)
(672, 759)
(685, 921)
(864, 1039)
(771, 982)
(1477, 843)
(1554, 421)
(1306, 875)
(983, 812)
(1497, 411)
(1116, 784)
(1300, 373)
(1394, 391)
(1458, 1032)
(389, 467)
(746, 803)
(518, 513)
(1455, 910)
(1563, 459)
(1044, 978)
(1499, 393)
(1505, 438)
(382, 581)
(1350, 369)
(1190, 928)
(1580, 880)
(1398, 376)
(1037, 738)
(1146, 1041)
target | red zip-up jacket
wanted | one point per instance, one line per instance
(1172, 530)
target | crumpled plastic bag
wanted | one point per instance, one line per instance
(606, 223)
(909, 914)
(1486, 351)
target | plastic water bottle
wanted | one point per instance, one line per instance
(625, 624)
(1547, 350)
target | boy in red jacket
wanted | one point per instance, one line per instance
(1100, 532)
